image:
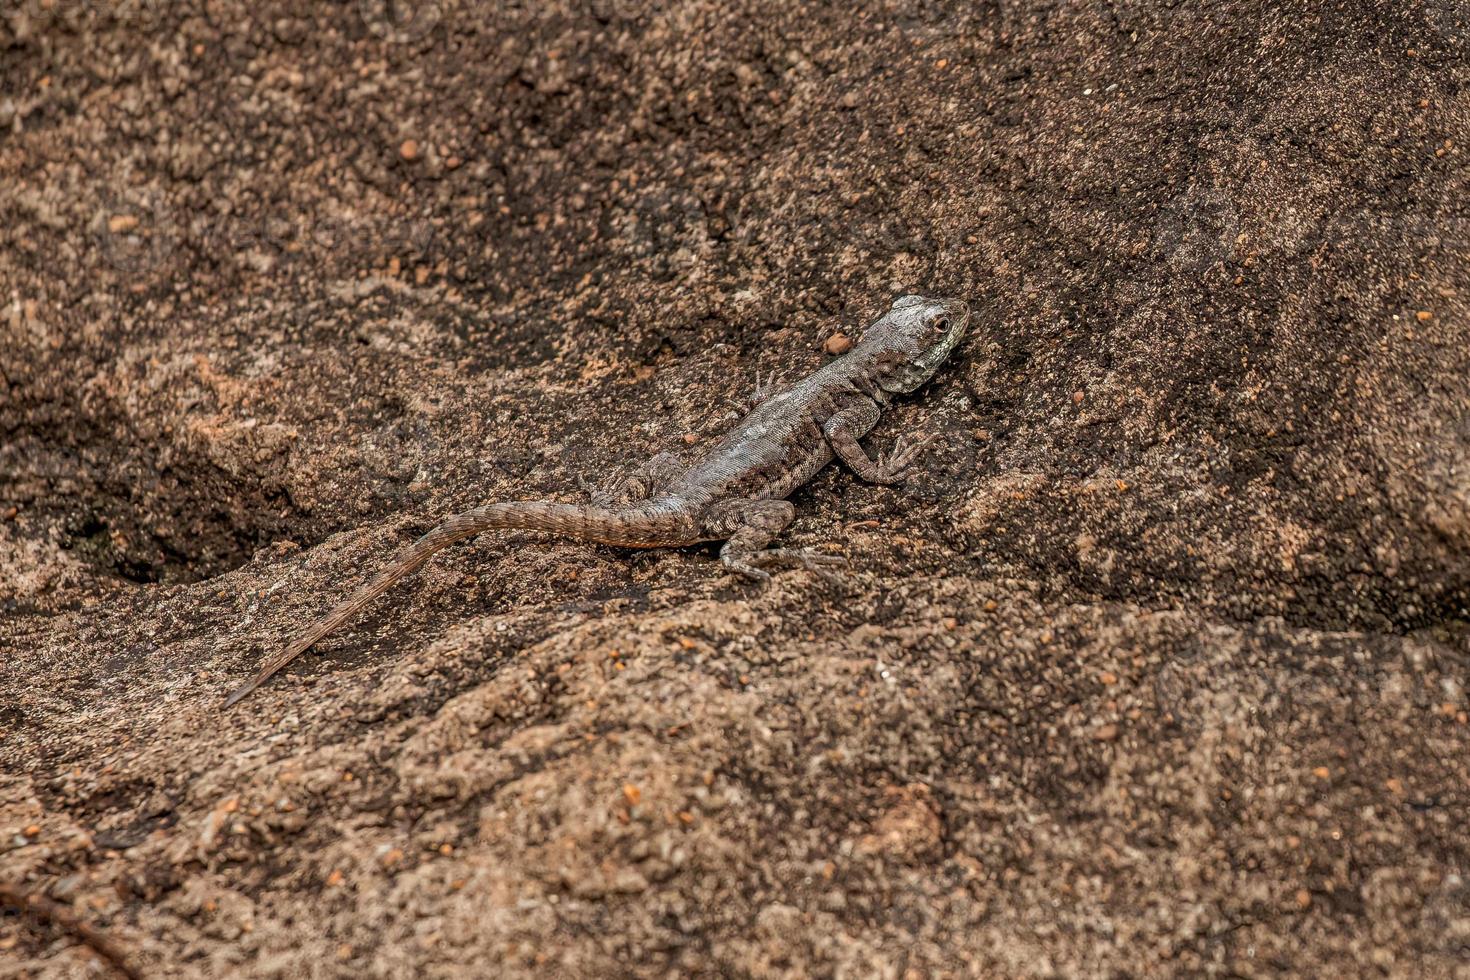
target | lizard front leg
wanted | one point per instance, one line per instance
(844, 429)
(748, 526)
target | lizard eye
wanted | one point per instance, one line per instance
(939, 324)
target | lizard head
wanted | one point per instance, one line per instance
(923, 331)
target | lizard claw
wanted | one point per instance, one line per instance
(764, 386)
(605, 492)
(806, 559)
(829, 568)
(905, 451)
(749, 571)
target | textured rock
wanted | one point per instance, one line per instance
(1156, 664)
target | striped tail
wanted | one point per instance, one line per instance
(652, 525)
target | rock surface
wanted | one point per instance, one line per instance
(1155, 665)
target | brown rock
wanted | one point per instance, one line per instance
(838, 343)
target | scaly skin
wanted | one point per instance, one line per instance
(736, 492)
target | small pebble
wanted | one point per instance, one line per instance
(838, 343)
(1106, 733)
(1424, 315)
(409, 149)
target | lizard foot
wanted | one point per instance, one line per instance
(743, 568)
(604, 493)
(764, 388)
(893, 464)
(804, 558)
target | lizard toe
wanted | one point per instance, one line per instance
(806, 559)
(747, 570)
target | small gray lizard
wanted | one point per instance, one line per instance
(736, 492)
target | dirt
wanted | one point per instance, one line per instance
(1154, 666)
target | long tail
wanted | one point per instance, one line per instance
(651, 525)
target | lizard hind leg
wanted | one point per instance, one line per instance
(748, 526)
(764, 387)
(635, 485)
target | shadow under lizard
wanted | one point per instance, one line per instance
(736, 491)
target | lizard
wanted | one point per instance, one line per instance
(736, 491)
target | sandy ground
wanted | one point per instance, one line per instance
(1154, 666)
